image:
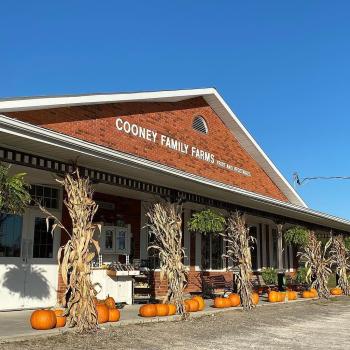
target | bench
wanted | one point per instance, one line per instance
(259, 284)
(215, 285)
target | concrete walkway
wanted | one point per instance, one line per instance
(15, 325)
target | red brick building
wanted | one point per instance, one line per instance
(137, 148)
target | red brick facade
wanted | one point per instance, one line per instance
(96, 124)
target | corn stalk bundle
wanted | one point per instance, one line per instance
(165, 223)
(341, 259)
(238, 240)
(318, 264)
(75, 256)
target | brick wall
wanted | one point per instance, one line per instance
(96, 123)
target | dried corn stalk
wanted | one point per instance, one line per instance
(75, 256)
(318, 264)
(341, 258)
(165, 223)
(238, 240)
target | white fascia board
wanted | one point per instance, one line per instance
(66, 101)
(211, 95)
(39, 134)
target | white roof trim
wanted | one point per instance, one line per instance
(210, 95)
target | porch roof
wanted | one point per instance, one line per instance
(40, 141)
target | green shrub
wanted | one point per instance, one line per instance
(207, 221)
(269, 275)
(297, 236)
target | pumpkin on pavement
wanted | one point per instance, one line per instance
(281, 296)
(113, 315)
(193, 305)
(314, 293)
(162, 309)
(43, 319)
(255, 298)
(148, 310)
(234, 299)
(273, 297)
(220, 302)
(172, 309)
(110, 303)
(102, 313)
(336, 291)
(307, 294)
(292, 295)
(201, 302)
(61, 319)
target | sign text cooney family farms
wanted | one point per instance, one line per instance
(174, 144)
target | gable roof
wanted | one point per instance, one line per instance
(211, 96)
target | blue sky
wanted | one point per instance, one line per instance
(283, 67)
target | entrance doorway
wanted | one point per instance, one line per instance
(28, 261)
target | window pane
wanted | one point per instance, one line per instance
(216, 252)
(274, 247)
(254, 250)
(43, 242)
(10, 235)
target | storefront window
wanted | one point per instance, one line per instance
(153, 254)
(46, 196)
(212, 250)
(43, 240)
(254, 247)
(10, 235)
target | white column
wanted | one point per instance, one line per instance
(279, 247)
(270, 247)
(258, 246)
(263, 242)
(291, 258)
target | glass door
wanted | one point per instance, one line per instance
(40, 288)
(12, 262)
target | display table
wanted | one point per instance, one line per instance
(116, 284)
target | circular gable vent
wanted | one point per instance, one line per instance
(200, 125)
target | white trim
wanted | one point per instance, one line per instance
(42, 135)
(212, 97)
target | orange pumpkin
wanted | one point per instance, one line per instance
(162, 309)
(102, 313)
(336, 291)
(201, 302)
(235, 300)
(220, 302)
(291, 295)
(281, 296)
(172, 309)
(110, 303)
(307, 294)
(113, 315)
(273, 297)
(43, 319)
(61, 319)
(193, 305)
(148, 310)
(255, 298)
(314, 293)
